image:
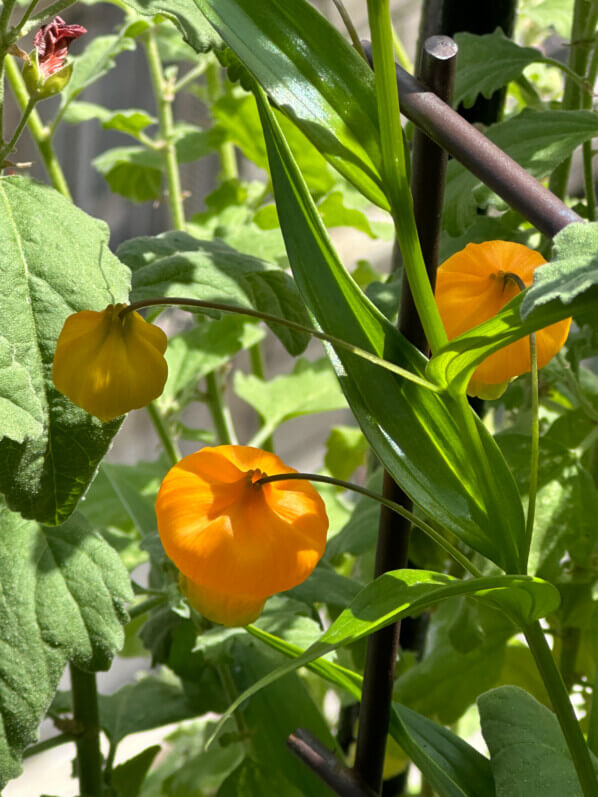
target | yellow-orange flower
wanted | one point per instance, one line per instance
(236, 542)
(109, 365)
(472, 286)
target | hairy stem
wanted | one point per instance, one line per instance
(164, 96)
(8, 148)
(39, 132)
(169, 445)
(86, 714)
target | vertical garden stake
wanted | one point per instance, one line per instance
(436, 70)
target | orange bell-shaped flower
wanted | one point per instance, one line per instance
(236, 542)
(109, 365)
(471, 287)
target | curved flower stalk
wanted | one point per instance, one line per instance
(472, 286)
(109, 365)
(234, 541)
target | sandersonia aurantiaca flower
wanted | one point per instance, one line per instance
(472, 286)
(46, 73)
(235, 541)
(108, 364)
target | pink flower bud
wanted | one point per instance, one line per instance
(52, 44)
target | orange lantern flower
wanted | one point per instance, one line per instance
(234, 541)
(109, 365)
(472, 286)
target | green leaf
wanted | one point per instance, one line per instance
(132, 172)
(555, 14)
(150, 703)
(326, 586)
(413, 431)
(452, 674)
(487, 63)
(127, 778)
(360, 532)
(335, 213)
(193, 354)
(79, 111)
(565, 287)
(54, 260)
(572, 271)
(311, 387)
(176, 264)
(254, 780)
(346, 450)
(131, 121)
(310, 71)
(528, 753)
(63, 599)
(537, 140)
(485, 228)
(193, 25)
(403, 593)
(95, 61)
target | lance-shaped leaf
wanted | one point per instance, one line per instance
(308, 68)
(63, 599)
(567, 286)
(176, 264)
(412, 430)
(451, 766)
(54, 260)
(403, 593)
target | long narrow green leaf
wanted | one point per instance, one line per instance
(452, 767)
(406, 592)
(413, 431)
(307, 67)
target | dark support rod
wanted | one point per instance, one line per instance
(437, 71)
(483, 158)
(326, 765)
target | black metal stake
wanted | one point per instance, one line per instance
(437, 70)
(326, 765)
(475, 151)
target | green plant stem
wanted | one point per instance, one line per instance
(7, 8)
(534, 447)
(39, 132)
(455, 553)
(86, 714)
(257, 369)
(226, 151)
(48, 744)
(231, 308)
(46, 13)
(164, 96)
(563, 709)
(170, 447)
(221, 417)
(593, 718)
(189, 77)
(401, 52)
(351, 30)
(588, 155)
(147, 605)
(28, 12)
(8, 148)
(585, 16)
(395, 173)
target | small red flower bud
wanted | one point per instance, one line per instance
(52, 43)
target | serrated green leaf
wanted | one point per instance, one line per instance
(487, 63)
(176, 264)
(311, 387)
(63, 599)
(132, 172)
(537, 140)
(414, 432)
(528, 753)
(131, 121)
(54, 260)
(189, 20)
(193, 354)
